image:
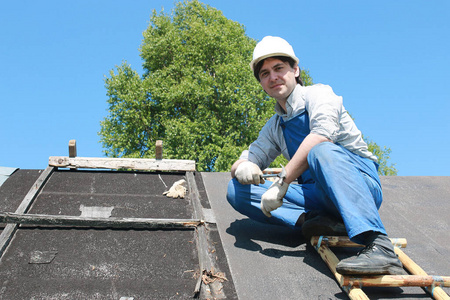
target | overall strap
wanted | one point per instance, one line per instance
(295, 130)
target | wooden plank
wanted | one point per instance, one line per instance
(6, 236)
(122, 163)
(76, 221)
(202, 244)
(397, 281)
(159, 149)
(206, 262)
(72, 148)
(9, 230)
(73, 151)
(34, 190)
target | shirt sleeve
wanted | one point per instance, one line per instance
(266, 147)
(324, 108)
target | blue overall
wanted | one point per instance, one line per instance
(338, 182)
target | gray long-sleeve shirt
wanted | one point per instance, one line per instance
(327, 117)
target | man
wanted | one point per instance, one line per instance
(338, 191)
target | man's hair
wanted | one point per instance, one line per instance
(284, 59)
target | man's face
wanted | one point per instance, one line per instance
(277, 78)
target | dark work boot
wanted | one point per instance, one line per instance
(377, 258)
(317, 224)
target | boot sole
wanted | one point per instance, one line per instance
(388, 270)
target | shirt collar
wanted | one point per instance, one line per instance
(293, 97)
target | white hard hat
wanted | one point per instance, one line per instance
(272, 46)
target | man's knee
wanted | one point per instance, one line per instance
(238, 194)
(231, 192)
(322, 151)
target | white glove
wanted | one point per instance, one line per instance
(249, 173)
(273, 197)
(177, 190)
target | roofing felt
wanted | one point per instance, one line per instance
(272, 262)
(260, 261)
(43, 262)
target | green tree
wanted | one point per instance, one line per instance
(383, 155)
(196, 92)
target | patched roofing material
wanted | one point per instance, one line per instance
(109, 234)
(134, 258)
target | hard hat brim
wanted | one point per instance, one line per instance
(254, 62)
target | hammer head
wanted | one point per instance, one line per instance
(282, 174)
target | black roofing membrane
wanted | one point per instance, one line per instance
(274, 262)
(260, 261)
(86, 263)
(15, 189)
(100, 264)
(133, 195)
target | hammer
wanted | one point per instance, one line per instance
(280, 175)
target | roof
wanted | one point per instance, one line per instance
(259, 261)
(5, 172)
(269, 262)
(85, 262)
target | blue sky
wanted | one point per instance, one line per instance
(390, 60)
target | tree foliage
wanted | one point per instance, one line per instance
(196, 93)
(383, 155)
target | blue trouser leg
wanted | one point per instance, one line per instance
(351, 186)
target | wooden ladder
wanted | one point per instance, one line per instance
(353, 285)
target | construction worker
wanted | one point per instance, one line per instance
(338, 191)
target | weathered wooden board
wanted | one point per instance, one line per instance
(396, 281)
(122, 163)
(159, 149)
(72, 148)
(76, 221)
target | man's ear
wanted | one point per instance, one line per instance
(296, 70)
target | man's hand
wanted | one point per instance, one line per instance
(249, 173)
(273, 197)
